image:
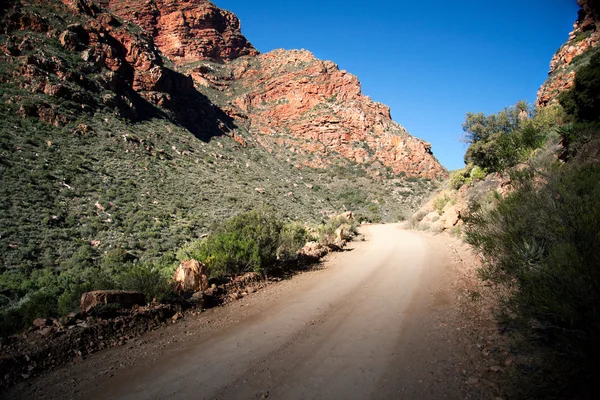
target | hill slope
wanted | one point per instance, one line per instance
(117, 137)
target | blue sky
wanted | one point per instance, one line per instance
(430, 61)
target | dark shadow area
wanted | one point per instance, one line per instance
(193, 110)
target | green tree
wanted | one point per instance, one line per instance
(478, 126)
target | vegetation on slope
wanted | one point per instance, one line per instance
(90, 185)
(540, 243)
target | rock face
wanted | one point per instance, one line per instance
(120, 69)
(188, 30)
(190, 276)
(289, 98)
(305, 110)
(292, 100)
(584, 38)
(97, 298)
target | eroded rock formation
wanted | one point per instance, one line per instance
(317, 111)
(306, 110)
(188, 30)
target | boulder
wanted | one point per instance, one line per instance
(341, 236)
(451, 217)
(42, 322)
(122, 298)
(190, 276)
(313, 251)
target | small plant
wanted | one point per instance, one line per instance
(327, 231)
(247, 242)
(440, 202)
(478, 173)
(148, 278)
(457, 179)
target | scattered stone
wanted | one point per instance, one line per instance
(177, 316)
(313, 251)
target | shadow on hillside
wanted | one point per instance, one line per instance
(195, 112)
(178, 101)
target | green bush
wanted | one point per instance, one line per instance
(292, 238)
(541, 249)
(440, 202)
(327, 231)
(70, 299)
(41, 303)
(247, 242)
(401, 215)
(457, 179)
(152, 279)
(582, 101)
(478, 173)
(500, 141)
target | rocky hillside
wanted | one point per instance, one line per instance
(288, 99)
(186, 31)
(576, 52)
(117, 134)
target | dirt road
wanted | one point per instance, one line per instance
(370, 325)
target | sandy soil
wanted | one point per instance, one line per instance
(384, 319)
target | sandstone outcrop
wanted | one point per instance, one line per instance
(288, 99)
(313, 251)
(188, 30)
(121, 69)
(563, 67)
(316, 111)
(306, 110)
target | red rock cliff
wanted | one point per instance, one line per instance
(307, 106)
(563, 67)
(317, 111)
(186, 30)
(306, 110)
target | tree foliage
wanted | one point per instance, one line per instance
(502, 140)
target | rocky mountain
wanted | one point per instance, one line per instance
(582, 44)
(137, 125)
(287, 99)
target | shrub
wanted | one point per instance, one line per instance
(440, 202)
(540, 246)
(292, 238)
(148, 278)
(327, 231)
(457, 179)
(247, 242)
(574, 137)
(401, 215)
(70, 299)
(41, 303)
(478, 173)
(500, 141)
